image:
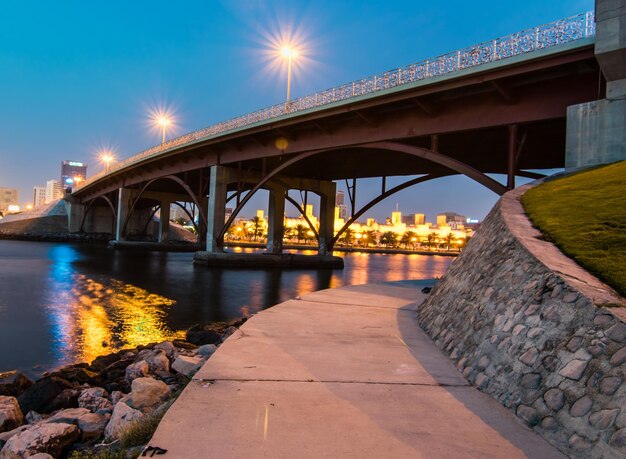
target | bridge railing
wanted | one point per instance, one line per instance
(546, 36)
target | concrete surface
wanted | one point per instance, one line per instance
(339, 373)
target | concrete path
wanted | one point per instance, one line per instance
(340, 373)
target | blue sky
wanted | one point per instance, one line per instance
(77, 76)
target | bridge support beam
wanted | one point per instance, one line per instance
(75, 214)
(217, 209)
(123, 205)
(276, 221)
(595, 130)
(327, 193)
(164, 221)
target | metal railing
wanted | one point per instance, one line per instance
(546, 36)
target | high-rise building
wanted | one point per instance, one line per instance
(8, 197)
(396, 217)
(340, 198)
(53, 190)
(39, 196)
(340, 204)
(414, 219)
(72, 173)
(447, 218)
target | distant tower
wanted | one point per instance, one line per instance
(72, 173)
(39, 196)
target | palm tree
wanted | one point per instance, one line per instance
(347, 237)
(407, 238)
(449, 240)
(300, 232)
(430, 240)
(257, 227)
(389, 238)
(369, 237)
(287, 232)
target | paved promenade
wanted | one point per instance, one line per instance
(340, 373)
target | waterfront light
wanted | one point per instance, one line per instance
(164, 122)
(106, 158)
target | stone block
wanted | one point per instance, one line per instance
(581, 407)
(574, 369)
(603, 419)
(554, 398)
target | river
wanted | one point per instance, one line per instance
(62, 303)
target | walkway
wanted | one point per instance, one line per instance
(340, 373)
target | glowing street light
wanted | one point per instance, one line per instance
(106, 158)
(288, 53)
(163, 121)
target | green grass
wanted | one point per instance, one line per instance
(584, 214)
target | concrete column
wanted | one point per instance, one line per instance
(123, 205)
(216, 214)
(276, 217)
(328, 191)
(75, 215)
(595, 130)
(164, 221)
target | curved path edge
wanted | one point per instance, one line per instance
(340, 373)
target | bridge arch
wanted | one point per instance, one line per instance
(90, 205)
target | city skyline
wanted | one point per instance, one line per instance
(122, 77)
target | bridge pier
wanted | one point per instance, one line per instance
(124, 196)
(595, 130)
(164, 221)
(216, 214)
(276, 221)
(75, 213)
(328, 191)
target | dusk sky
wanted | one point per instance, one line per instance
(78, 76)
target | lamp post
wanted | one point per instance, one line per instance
(288, 53)
(164, 122)
(106, 158)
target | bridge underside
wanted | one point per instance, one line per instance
(506, 120)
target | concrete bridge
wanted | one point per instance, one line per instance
(505, 106)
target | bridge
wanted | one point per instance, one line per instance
(500, 107)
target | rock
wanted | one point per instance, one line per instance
(531, 381)
(50, 438)
(78, 373)
(207, 350)
(618, 440)
(157, 360)
(94, 399)
(570, 297)
(603, 419)
(549, 423)
(229, 331)
(578, 443)
(187, 365)
(116, 396)
(92, 425)
(610, 385)
(148, 392)
(202, 336)
(554, 399)
(13, 383)
(69, 416)
(184, 344)
(38, 396)
(528, 414)
(137, 370)
(66, 399)
(619, 357)
(11, 416)
(529, 357)
(40, 456)
(4, 436)
(617, 332)
(123, 415)
(32, 417)
(581, 407)
(574, 369)
(167, 347)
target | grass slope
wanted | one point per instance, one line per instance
(584, 214)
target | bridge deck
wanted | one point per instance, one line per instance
(339, 373)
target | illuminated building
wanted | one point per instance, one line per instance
(53, 190)
(414, 219)
(447, 218)
(39, 196)
(8, 197)
(72, 172)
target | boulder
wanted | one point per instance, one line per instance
(148, 392)
(49, 438)
(94, 399)
(40, 394)
(187, 365)
(137, 370)
(66, 399)
(90, 424)
(207, 350)
(78, 373)
(167, 347)
(69, 416)
(123, 416)
(201, 336)
(116, 396)
(13, 383)
(156, 359)
(32, 417)
(4, 436)
(10, 414)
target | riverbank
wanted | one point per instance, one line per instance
(106, 407)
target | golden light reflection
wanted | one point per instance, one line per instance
(106, 318)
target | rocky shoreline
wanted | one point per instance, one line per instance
(106, 408)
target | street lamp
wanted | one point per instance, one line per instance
(106, 158)
(288, 53)
(164, 122)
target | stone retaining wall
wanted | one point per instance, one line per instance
(531, 328)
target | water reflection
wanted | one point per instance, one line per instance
(90, 317)
(62, 303)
